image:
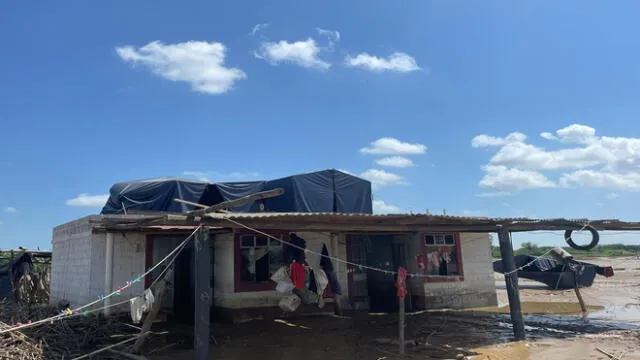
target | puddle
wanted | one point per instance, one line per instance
(628, 313)
(541, 308)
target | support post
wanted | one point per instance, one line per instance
(202, 296)
(511, 281)
(576, 288)
(401, 289)
(108, 272)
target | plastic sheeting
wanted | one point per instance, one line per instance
(322, 191)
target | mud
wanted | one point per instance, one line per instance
(555, 329)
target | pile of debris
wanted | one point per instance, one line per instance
(65, 339)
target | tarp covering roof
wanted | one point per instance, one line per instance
(323, 191)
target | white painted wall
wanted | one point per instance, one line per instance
(477, 288)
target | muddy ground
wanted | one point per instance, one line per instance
(555, 329)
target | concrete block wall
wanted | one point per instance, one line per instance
(478, 287)
(128, 262)
(71, 262)
(224, 280)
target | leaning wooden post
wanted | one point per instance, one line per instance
(155, 309)
(202, 330)
(511, 280)
(401, 286)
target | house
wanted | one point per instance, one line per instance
(95, 254)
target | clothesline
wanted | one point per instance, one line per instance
(360, 266)
(77, 311)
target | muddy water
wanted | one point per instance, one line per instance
(556, 328)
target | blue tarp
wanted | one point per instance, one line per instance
(321, 191)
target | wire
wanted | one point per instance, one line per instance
(102, 298)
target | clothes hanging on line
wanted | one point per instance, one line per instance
(298, 275)
(140, 305)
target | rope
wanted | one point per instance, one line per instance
(102, 298)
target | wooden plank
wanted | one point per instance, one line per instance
(511, 280)
(237, 202)
(157, 305)
(202, 295)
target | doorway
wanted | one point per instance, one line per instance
(371, 289)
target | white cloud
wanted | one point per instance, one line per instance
(198, 63)
(509, 179)
(259, 27)
(381, 207)
(303, 53)
(599, 179)
(86, 200)
(486, 140)
(10, 209)
(332, 35)
(588, 160)
(391, 146)
(395, 161)
(218, 176)
(381, 178)
(396, 62)
(494, 194)
(612, 196)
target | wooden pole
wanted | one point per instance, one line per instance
(157, 305)
(511, 281)
(202, 295)
(583, 307)
(401, 288)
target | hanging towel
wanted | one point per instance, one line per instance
(138, 307)
(321, 281)
(298, 275)
(149, 299)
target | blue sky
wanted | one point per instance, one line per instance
(95, 93)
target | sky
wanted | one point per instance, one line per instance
(475, 108)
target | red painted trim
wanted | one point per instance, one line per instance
(458, 245)
(239, 285)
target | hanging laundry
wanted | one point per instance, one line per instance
(149, 299)
(325, 261)
(138, 307)
(327, 266)
(291, 253)
(298, 275)
(321, 281)
(312, 281)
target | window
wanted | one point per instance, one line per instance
(258, 257)
(442, 253)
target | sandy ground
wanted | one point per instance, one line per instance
(555, 330)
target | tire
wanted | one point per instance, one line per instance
(595, 238)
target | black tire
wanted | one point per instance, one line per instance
(595, 238)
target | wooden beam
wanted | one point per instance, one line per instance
(237, 202)
(202, 295)
(157, 305)
(511, 280)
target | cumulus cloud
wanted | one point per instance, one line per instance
(587, 160)
(391, 146)
(395, 161)
(333, 36)
(397, 62)
(305, 53)
(10, 209)
(199, 63)
(509, 179)
(86, 200)
(381, 207)
(381, 178)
